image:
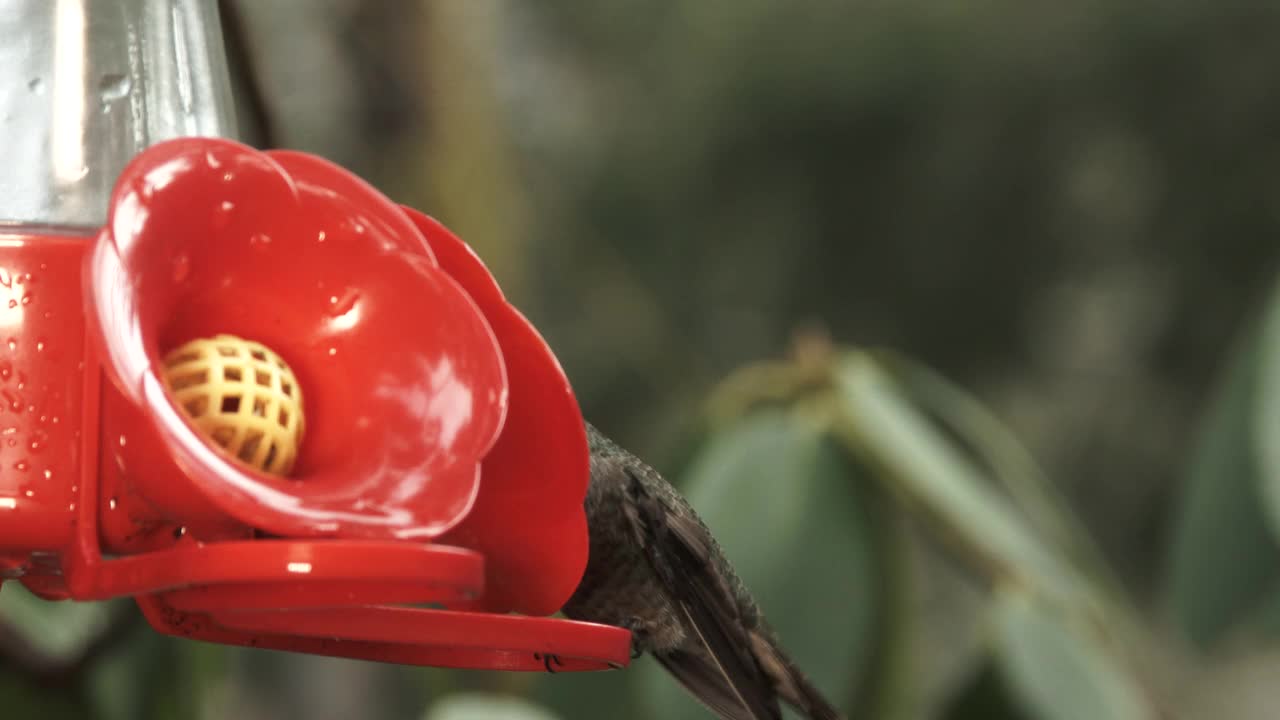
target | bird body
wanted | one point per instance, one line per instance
(655, 569)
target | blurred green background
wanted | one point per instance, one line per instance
(1069, 211)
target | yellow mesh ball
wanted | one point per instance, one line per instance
(242, 396)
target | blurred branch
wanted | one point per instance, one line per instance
(465, 168)
(21, 658)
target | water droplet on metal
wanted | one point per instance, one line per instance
(113, 86)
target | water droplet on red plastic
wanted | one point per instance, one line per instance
(222, 216)
(341, 305)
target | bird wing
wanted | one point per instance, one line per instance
(725, 675)
(705, 680)
(791, 684)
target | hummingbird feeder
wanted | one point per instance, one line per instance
(251, 392)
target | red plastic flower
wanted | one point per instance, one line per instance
(434, 410)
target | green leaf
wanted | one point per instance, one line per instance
(1222, 559)
(884, 427)
(781, 499)
(1004, 458)
(613, 694)
(157, 676)
(58, 629)
(481, 706)
(1056, 667)
(1265, 429)
(986, 695)
(20, 700)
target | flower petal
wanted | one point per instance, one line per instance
(403, 381)
(529, 519)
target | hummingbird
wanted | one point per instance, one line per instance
(654, 568)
